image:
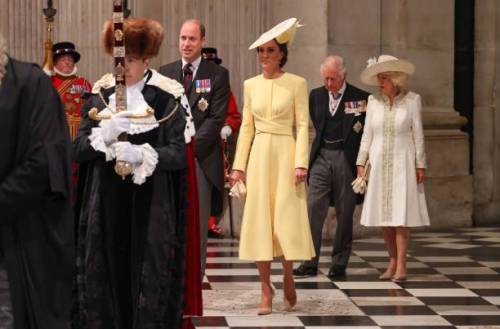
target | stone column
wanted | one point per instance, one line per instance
(486, 116)
(79, 21)
(22, 24)
(354, 32)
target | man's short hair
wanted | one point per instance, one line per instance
(200, 25)
(333, 61)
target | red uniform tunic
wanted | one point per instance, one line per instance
(233, 117)
(71, 90)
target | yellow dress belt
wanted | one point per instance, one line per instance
(272, 128)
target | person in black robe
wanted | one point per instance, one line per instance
(131, 231)
(36, 222)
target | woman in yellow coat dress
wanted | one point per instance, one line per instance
(274, 158)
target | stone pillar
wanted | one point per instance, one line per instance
(22, 25)
(79, 21)
(354, 32)
(486, 116)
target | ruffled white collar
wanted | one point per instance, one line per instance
(66, 75)
(171, 86)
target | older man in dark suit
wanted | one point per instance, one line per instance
(207, 89)
(337, 112)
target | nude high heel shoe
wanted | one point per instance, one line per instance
(290, 303)
(267, 309)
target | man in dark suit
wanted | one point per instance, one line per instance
(207, 89)
(337, 111)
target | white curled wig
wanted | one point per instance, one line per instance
(4, 59)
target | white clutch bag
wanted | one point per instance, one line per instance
(239, 191)
(360, 184)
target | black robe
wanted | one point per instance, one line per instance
(131, 238)
(36, 222)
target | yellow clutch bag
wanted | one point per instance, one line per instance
(239, 191)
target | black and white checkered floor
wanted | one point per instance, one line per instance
(453, 282)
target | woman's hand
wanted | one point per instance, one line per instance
(300, 175)
(420, 175)
(236, 175)
(361, 171)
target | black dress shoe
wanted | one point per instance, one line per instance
(336, 272)
(304, 271)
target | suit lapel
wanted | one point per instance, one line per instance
(323, 108)
(176, 71)
(348, 118)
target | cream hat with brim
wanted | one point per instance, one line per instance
(284, 32)
(385, 63)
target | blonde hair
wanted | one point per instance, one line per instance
(399, 79)
(4, 59)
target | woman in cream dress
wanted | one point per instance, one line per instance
(275, 159)
(393, 141)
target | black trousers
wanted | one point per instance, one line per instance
(6, 316)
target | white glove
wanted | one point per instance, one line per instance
(359, 185)
(128, 152)
(225, 132)
(115, 126)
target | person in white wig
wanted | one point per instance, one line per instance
(274, 161)
(393, 142)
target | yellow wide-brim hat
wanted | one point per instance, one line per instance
(284, 32)
(385, 63)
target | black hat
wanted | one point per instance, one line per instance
(210, 54)
(64, 48)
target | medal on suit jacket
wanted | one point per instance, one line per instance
(202, 104)
(355, 107)
(203, 86)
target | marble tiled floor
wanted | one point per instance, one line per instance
(453, 282)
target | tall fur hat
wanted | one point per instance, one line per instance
(143, 37)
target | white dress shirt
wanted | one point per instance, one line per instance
(194, 65)
(335, 102)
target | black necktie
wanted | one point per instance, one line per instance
(188, 76)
